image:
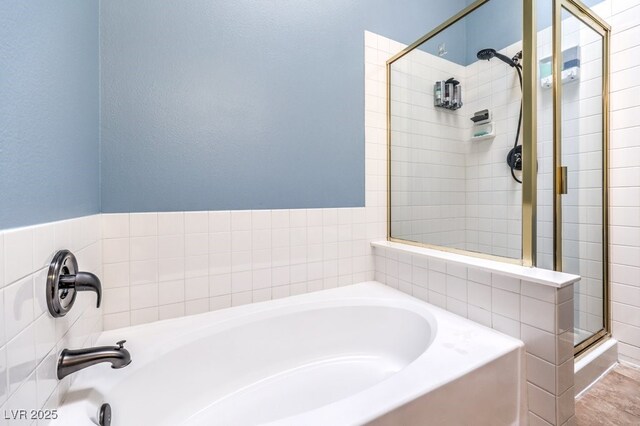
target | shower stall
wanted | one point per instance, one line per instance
(498, 143)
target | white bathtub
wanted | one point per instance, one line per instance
(353, 355)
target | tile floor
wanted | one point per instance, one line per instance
(614, 400)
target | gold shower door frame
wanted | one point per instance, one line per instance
(580, 11)
(529, 138)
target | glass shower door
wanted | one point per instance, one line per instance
(581, 171)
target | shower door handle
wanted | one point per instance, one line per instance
(562, 180)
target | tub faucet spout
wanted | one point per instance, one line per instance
(72, 360)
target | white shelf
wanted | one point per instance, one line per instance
(483, 137)
(536, 275)
(483, 127)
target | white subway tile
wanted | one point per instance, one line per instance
(196, 244)
(538, 291)
(219, 285)
(198, 306)
(119, 320)
(456, 287)
(539, 343)
(143, 224)
(18, 254)
(261, 295)
(298, 218)
(506, 325)
(219, 221)
(144, 296)
(171, 223)
(196, 266)
(115, 275)
(18, 307)
(116, 300)
(541, 373)
(538, 313)
(45, 335)
(505, 303)
(2, 283)
(4, 389)
(173, 310)
(115, 250)
(457, 307)
(171, 246)
(197, 288)
(21, 358)
(219, 302)
(172, 269)
(196, 222)
(170, 292)
(261, 219)
(143, 272)
(144, 316)
(43, 245)
(39, 294)
(144, 248)
(241, 220)
(243, 298)
(219, 263)
(25, 396)
(479, 295)
(479, 315)
(541, 403)
(505, 283)
(115, 225)
(46, 379)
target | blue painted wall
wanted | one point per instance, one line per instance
(49, 110)
(240, 104)
(498, 24)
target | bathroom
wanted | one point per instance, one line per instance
(320, 213)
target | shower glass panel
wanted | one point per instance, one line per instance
(581, 153)
(498, 142)
(455, 105)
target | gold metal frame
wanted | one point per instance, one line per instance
(529, 133)
(529, 128)
(580, 11)
(529, 138)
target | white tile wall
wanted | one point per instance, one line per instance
(540, 315)
(427, 160)
(162, 265)
(30, 339)
(624, 17)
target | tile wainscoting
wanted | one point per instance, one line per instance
(30, 338)
(541, 315)
(164, 265)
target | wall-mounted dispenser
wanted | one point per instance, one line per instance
(447, 94)
(570, 67)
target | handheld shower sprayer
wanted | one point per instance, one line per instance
(514, 157)
(488, 54)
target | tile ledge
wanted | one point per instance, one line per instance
(536, 275)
